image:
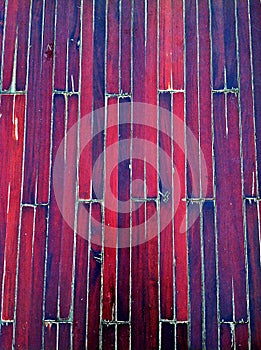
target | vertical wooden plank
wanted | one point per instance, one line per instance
(112, 63)
(94, 279)
(165, 42)
(150, 86)
(232, 273)
(6, 336)
(124, 239)
(2, 25)
(98, 98)
(218, 46)
(111, 212)
(67, 44)
(125, 59)
(246, 101)
(31, 278)
(230, 44)
(205, 94)
(11, 146)
(138, 85)
(180, 208)
(152, 285)
(99, 51)
(64, 342)
(67, 236)
(182, 336)
(24, 278)
(195, 280)
(178, 45)
(241, 333)
(192, 107)
(171, 45)
(123, 337)
(166, 234)
(60, 242)
(56, 223)
(167, 336)
(15, 46)
(138, 51)
(108, 336)
(224, 44)
(85, 172)
(144, 312)
(38, 262)
(80, 280)
(39, 105)
(226, 336)
(210, 275)
(254, 274)
(255, 13)
(50, 336)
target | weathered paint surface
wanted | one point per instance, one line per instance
(200, 60)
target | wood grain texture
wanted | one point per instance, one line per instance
(146, 278)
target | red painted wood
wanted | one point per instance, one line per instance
(226, 337)
(31, 278)
(246, 102)
(166, 236)
(224, 44)
(171, 45)
(255, 13)
(195, 280)
(123, 337)
(126, 13)
(204, 82)
(67, 43)
(39, 106)
(6, 336)
(11, 146)
(80, 279)
(144, 317)
(192, 103)
(2, 17)
(61, 237)
(15, 45)
(229, 209)
(50, 335)
(167, 336)
(108, 335)
(230, 44)
(151, 97)
(253, 250)
(241, 336)
(112, 72)
(64, 336)
(182, 336)
(86, 98)
(180, 239)
(94, 284)
(111, 218)
(63, 302)
(210, 277)
(123, 280)
(218, 46)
